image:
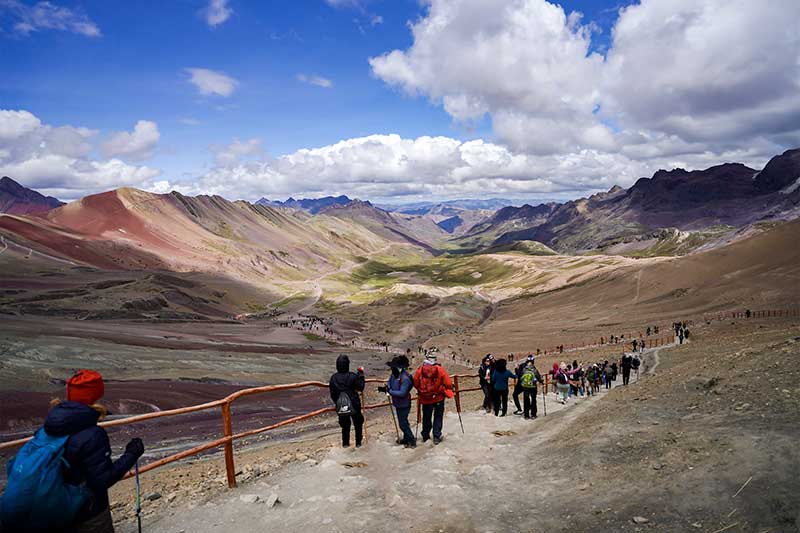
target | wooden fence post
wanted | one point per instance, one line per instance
(230, 468)
(363, 403)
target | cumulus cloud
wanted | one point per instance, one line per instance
(57, 159)
(217, 12)
(385, 167)
(319, 81)
(48, 16)
(212, 83)
(136, 145)
(702, 75)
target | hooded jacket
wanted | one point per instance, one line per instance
(88, 453)
(344, 381)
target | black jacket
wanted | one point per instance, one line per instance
(348, 382)
(88, 453)
(482, 373)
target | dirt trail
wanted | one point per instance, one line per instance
(379, 487)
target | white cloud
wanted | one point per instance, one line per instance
(705, 76)
(235, 152)
(136, 145)
(56, 159)
(384, 167)
(210, 82)
(189, 121)
(319, 81)
(217, 12)
(47, 16)
(374, 20)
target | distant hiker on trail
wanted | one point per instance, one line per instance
(562, 383)
(344, 388)
(635, 345)
(680, 335)
(485, 375)
(608, 373)
(528, 380)
(553, 373)
(626, 363)
(399, 388)
(635, 364)
(748, 314)
(434, 385)
(500, 378)
(518, 390)
(76, 500)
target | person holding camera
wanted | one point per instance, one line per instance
(398, 387)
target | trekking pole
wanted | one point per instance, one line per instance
(394, 418)
(138, 499)
(544, 399)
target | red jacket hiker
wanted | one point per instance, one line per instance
(433, 383)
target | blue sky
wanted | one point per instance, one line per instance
(130, 65)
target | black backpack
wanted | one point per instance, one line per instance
(344, 406)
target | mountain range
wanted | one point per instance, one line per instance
(19, 200)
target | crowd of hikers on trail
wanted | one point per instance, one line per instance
(568, 379)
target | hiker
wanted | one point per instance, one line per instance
(635, 345)
(747, 313)
(553, 373)
(625, 363)
(607, 374)
(635, 364)
(434, 385)
(562, 383)
(80, 499)
(398, 386)
(614, 371)
(344, 388)
(680, 335)
(485, 375)
(518, 390)
(528, 380)
(500, 378)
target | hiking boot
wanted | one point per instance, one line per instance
(518, 412)
(436, 441)
(400, 441)
(410, 445)
(358, 445)
(425, 439)
(527, 417)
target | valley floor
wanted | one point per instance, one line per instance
(705, 442)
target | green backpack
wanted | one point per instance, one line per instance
(528, 379)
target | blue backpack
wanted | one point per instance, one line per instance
(36, 496)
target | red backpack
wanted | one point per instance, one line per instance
(429, 382)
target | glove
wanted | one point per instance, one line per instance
(135, 447)
(361, 370)
(383, 390)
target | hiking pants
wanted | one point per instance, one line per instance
(607, 378)
(405, 427)
(529, 401)
(518, 389)
(435, 411)
(500, 401)
(563, 392)
(626, 376)
(486, 387)
(358, 423)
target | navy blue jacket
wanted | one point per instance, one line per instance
(88, 453)
(400, 389)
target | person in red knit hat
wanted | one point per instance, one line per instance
(87, 451)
